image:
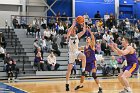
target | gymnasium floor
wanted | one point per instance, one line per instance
(58, 86)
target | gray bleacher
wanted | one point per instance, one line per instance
(27, 44)
(26, 49)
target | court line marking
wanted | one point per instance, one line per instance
(17, 88)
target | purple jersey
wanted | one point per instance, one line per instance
(90, 55)
(132, 63)
(131, 58)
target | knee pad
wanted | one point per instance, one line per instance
(94, 75)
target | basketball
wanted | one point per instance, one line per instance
(80, 19)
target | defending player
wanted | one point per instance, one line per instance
(132, 63)
(89, 51)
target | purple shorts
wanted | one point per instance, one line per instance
(132, 68)
(89, 67)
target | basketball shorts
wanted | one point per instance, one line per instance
(90, 66)
(73, 56)
(132, 68)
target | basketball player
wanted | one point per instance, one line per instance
(89, 51)
(74, 53)
(132, 63)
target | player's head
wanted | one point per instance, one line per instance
(88, 39)
(125, 41)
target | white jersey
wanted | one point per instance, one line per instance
(73, 43)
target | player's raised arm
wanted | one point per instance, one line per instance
(92, 36)
(71, 28)
(112, 47)
(123, 52)
(82, 32)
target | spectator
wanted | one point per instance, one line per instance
(23, 22)
(127, 24)
(122, 25)
(53, 33)
(47, 34)
(37, 32)
(114, 65)
(66, 27)
(99, 25)
(43, 23)
(89, 22)
(86, 18)
(2, 52)
(58, 15)
(51, 22)
(52, 65)
(115, 35)
(63, 40)
(3, 42)
(106, 30)
(94, 28)
(35, 22)
(7, 59)
(113, 29)
(106, 16)
(106, 36)
(98, 47)
(38, 61)
(110, 22)
(97, 16)
(31, 29)
(119, 42)
(111, 36)
(99, 36)
(44, 45)
(15, 22)
(104, 67)
(12, 69)
(68, 21)
(9, 69)
(105, 48)
(56, 48)
(56, 27)
(61, 28)
(138, 24)
(37, 48)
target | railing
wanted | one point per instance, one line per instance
(23, 66)
(29, 19)
(15, 46)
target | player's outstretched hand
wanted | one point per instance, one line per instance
(74, 22)
(115, 45)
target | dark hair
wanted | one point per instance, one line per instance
(127, 39)
(35, 40)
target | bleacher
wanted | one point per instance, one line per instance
(20, 47)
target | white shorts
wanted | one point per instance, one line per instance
(73, 56)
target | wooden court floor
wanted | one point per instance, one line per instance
(58, 86)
